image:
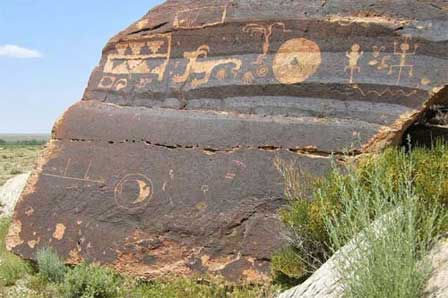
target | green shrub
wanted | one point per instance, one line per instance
(288, 268)
(179, 288)
(411, 186)
(390, 228)
(51, 268)
(191, 288)
(90, 281)
(12, 268)
(304, 217)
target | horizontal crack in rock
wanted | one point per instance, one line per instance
(309, 150)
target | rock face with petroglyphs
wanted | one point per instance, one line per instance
(166, 166)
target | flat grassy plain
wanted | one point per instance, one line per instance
(18, 152)
(17, 159)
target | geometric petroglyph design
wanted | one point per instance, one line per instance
(194, 66)
(133, 192)
(248, 78)
(387, 91)
(296, 60)
(200, 17)
(84, 178)
(149, 56)
(111, 82)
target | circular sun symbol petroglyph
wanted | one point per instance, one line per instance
(133, 192)
(296, 60)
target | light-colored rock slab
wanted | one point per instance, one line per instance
(10, 194)
(437, 285)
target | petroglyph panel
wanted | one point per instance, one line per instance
(183, 196)
(166, 165)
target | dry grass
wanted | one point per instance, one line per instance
(17, 159)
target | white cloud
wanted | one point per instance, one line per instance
(13, 51)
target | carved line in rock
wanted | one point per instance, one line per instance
(85, 178)
(381, 93)
(193, 18)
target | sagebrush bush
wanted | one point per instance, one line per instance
(352, 197)
(50, 266)
(12, 267)
(192, 288)
(91, 281)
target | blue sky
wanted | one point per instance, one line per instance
(48, 49)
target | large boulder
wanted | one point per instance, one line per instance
(166, 165)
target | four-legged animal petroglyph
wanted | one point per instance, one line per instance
(203, 67)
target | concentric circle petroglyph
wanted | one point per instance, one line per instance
(133, 192)
(296, 60)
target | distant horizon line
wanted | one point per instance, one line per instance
(25, 133)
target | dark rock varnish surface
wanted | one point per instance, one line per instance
(166, 165)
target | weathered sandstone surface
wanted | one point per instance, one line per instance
(166, 164)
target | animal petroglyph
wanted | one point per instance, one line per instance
(200, 17)
(296, 60)
(379, 63)
(353, 58)
(133, 192)
(150, 56)
(205, 67)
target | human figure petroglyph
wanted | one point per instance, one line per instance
(203, 67)
(353, 56)
(403, 53)
(266, 31)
